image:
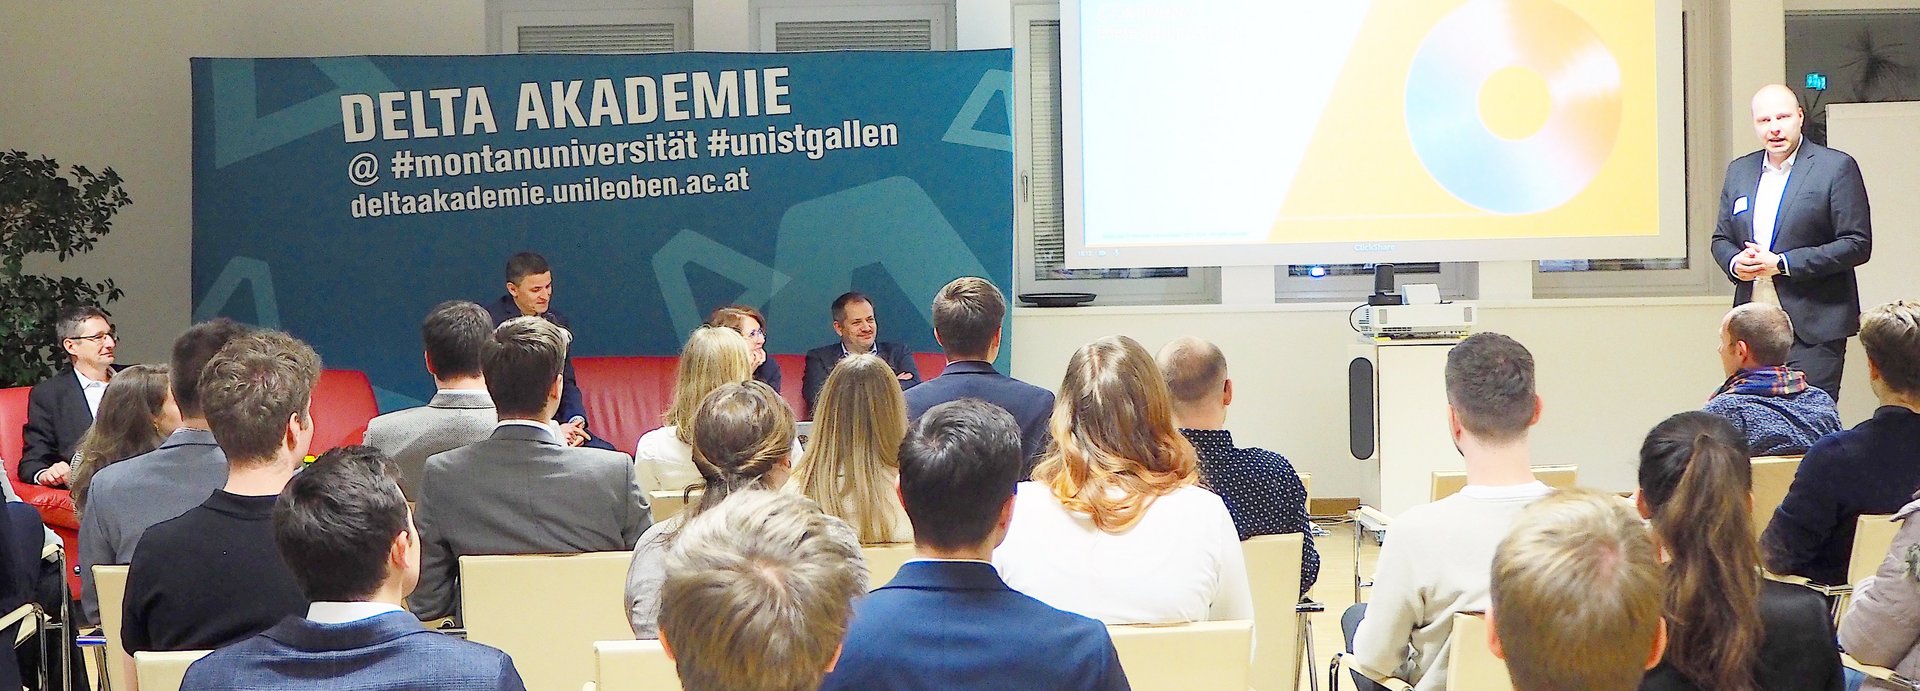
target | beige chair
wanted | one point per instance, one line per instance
(1273, 567)
(883, 561)
(1872, 538)
(1882, 674)
(546, 611)
(163, 671)
(1470, 664)
(633, 665)
(1447, 483)
(1180, 657)
(1772, 475)
(110, 582)
(668, 503)
(1306, 483)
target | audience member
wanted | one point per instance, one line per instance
(530, 294)
(344, 530)
(136, 415)
(460, 412)
(521, 490)
(966, 321)
(1576, 596)
(758, 595)
(947, 620)
(712, 358)
(1870, 469)
(859, 333)
(1436, 563)
(1771, 406)
(1882, 626)
(20, 541)
(854, 459)
(60, 409)
(742, 440)
(210, 576)
(750, 324)
(1727, 627)
(1116, 497)
(128, 497)
(1260, 488)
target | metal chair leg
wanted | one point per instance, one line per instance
(1306, 629)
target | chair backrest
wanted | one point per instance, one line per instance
(1177, 657)
(883, 561)
(668, 503)
(13, 422)
(634, 665)
(1772, 475)
(1447, 483)
(1872, 539)
(625, 395)
(163, 671)
(793, 372)
(546, 611)
(930, 364)
(343, 402)
(1273, 566)
(1472, 664)
(1306, 483)
(110, 582)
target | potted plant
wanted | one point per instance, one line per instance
(44, 210)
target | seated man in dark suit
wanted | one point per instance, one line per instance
(1770, 404)
(530, 294)
(460, 412)
(521, 490)
(60, 409)
(1870, 469)
(966, 321)
(211, 576)
(343, 528)
(859, 333)
(947, 620)
(1261, 489)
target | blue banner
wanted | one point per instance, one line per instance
(341, 198)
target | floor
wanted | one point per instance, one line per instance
(1334, 589)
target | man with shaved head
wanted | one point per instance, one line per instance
(1261, 490)
(1794, 222)
(1769, 402)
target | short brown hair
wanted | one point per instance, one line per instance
(966, 315)
(758, 594)
(1766, 330)
(1891, 335)
(1577, 594)
(452, 335)
(191, 351)
(520, 363)
(1194, 369)
(251, 388)
(1490, 386)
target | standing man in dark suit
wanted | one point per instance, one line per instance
(966, 321)
(1794, 222)
(947, 620)
(521, 490)
(530, 294)
(859, 333)
(60, 409)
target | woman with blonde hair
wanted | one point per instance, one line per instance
(713, 357)
(136, 415)
(855, 456)
(1116, 497)
(742, 436)
(749, 323)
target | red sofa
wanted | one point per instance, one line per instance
(343, 402)
(55, 504)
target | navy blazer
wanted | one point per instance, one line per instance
(955, 624)
(388, 651)
(1824, 228)
(1031, 405)
(57, 416)
(571, 404)
(821, 361)
(1868, 470)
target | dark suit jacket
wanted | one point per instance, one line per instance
(570, 401)
(1031, 405)
(520, 491)
(1869, 469)
(821, 360)
(1797, 651)
(389, 651)
(1824, 229)
(955, 624)
(57, 417)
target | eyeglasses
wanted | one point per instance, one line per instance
(753, 333)
(97, 338)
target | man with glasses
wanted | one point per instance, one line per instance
(60, 409)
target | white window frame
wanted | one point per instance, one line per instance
(766, 14)
(506, 17)
(1457, 281)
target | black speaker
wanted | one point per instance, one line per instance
(1360, 407)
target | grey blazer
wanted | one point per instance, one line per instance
(520, 491)
(451, 420)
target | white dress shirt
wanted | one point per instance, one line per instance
(93, 390)
(552, 430)
(1766, 200)
(343, 612)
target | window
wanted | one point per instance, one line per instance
(800, 25)
(590, 26)
(1851, 56)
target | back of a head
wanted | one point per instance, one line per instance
(740, 432)
(453, 334)
(958, 465)
(1195, 370)
(1766, 330)
(713, 356)
(1576, 595)
(336, 520)
(966, 316)
(123, 427)
(854, 453)
(191, 351)
(252, 388)
(1115, 448)
(524, 264)
(521, 361)
(1890, 334)
(1697, 481)
(1490, 387)
(757, 595)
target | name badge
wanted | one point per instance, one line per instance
(1739, 205)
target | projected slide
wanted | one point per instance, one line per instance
(1404, 128)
